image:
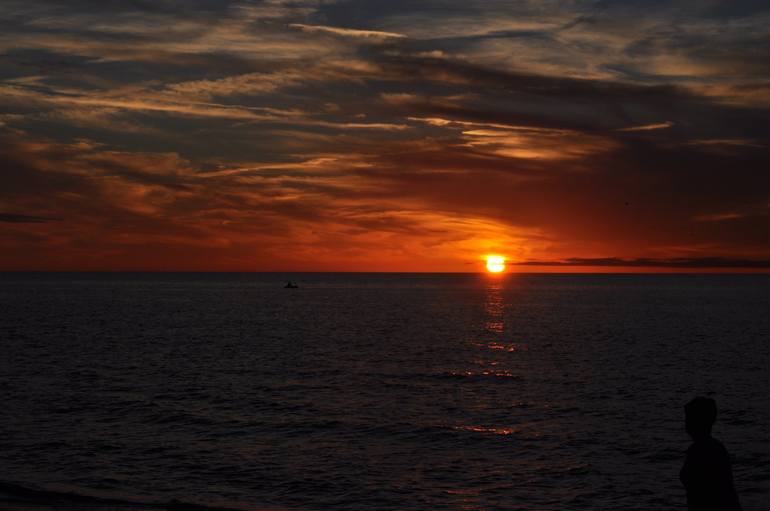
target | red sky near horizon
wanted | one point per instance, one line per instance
(369, 136)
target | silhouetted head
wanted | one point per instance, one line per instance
(699, 416)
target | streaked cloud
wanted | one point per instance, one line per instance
(347, 32)
(700, 263)
(350, 134)
(649, 127)
(718, 217)
(734, 142)
(536, 144)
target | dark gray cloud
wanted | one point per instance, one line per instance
(25, 219)
(696, 262)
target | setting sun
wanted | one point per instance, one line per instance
(495, 263)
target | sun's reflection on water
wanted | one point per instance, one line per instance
(486, 429)
(494, 306)
(492, 385)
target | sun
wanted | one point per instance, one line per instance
(495, 263)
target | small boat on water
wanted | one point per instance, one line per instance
(291, 285)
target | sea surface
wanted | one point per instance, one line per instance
(380, 391)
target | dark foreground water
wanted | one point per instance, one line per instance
(380, 391)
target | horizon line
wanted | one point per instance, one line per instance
(612, 271)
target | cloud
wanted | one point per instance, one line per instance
(649, 127)
(728, 142)
(536, 144)
(303, 74)
(697, 262)
(718, 217)
(25, 219)
(347, 32)
(80, 106)
(545, 131)
(318, 211)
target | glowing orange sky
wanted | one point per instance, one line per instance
(355, 136)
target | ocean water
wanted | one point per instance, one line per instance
(380, 391)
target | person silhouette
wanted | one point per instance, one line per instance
(706, 474)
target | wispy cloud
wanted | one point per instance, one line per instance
(718, 217)
(347, 32)
(649, 127)
(726, 142)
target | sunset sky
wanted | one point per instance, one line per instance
(367, 135)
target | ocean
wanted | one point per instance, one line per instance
(531, 392)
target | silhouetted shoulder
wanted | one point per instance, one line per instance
(709, 449)
(707, 477)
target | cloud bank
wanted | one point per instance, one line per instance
(399, 136)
